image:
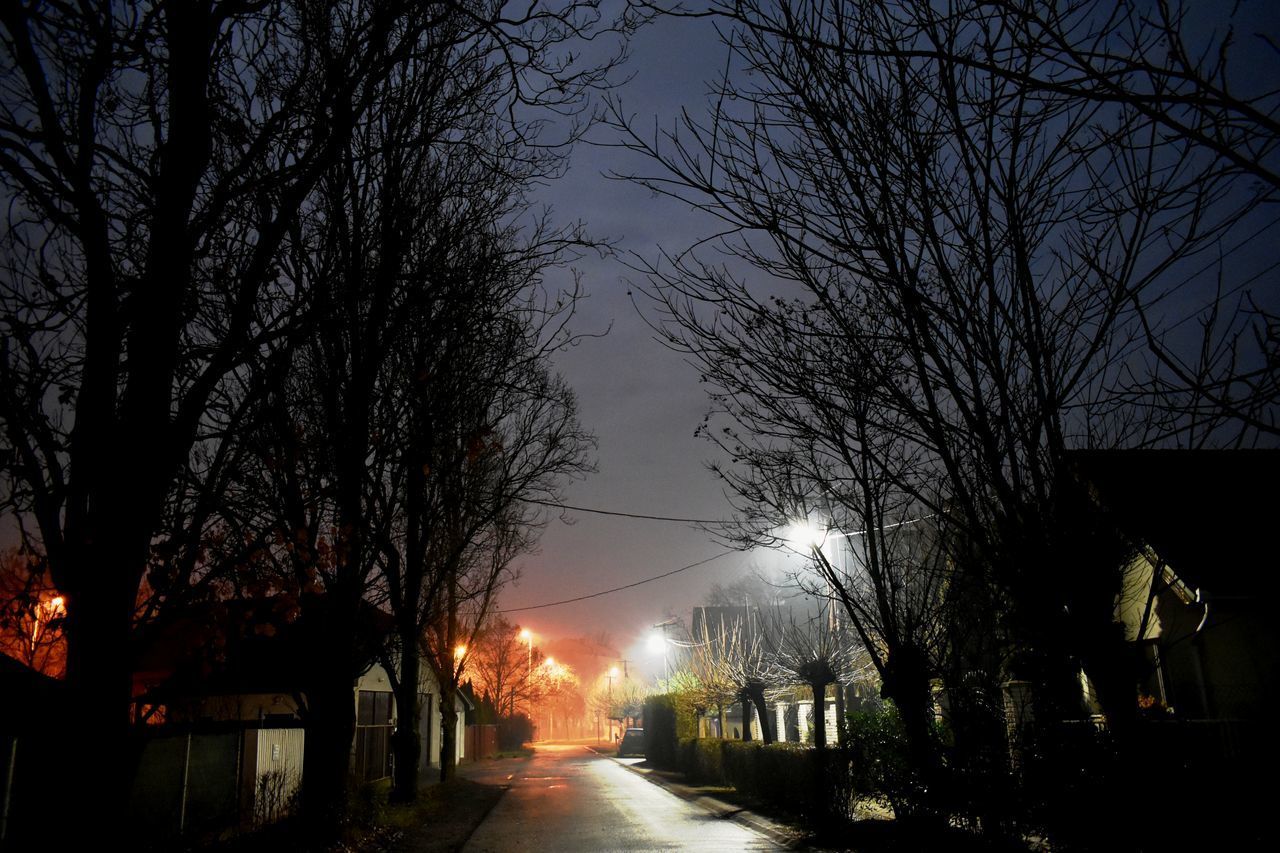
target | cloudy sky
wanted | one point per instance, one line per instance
(641, 401)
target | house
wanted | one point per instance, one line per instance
(1197, 599)
(225, 689)
(377, 717)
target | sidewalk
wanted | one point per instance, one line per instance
(779, 833)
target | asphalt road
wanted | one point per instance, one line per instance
(568, 798)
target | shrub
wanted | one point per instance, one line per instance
(881, 760)
(514, 731)
(740, 763)
(666, 721)
(368, 807)
(817, 784)
(271, 798)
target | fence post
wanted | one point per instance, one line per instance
(186, 767)
(9, 763)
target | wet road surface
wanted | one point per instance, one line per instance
(568, 798)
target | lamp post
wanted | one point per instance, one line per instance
(550, 664)
(527, 636)
(611, 675)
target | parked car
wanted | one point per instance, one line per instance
(632, 743)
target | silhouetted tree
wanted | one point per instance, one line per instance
(505, 666)
(960, 258)
(156, 160)
(31, 615)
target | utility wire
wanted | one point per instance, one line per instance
(620, 588)
(716, 521)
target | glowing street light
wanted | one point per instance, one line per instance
(46, 612)
(804, 534)
(658, 643)
(527, 636)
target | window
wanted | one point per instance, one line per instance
(373, 735)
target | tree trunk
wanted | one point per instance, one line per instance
(99, 668)
(326, 767)
(746, 716)
(756, 692)
(408, 745)
(448, 731)
(819, 715)
(906, 682)
(842, 728)
(721, 719)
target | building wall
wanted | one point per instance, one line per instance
(431, 720)
(277, 769)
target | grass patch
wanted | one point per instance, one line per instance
(522, 752)
(444, 816)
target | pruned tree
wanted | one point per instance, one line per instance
(711, 655)
(812, 649)
(736, 638)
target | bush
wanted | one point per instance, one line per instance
(666, 721)
(368, 806)
(514, 732)
(817, 784)
(881, 760)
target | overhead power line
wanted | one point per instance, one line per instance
(555, 505)
(621, 588)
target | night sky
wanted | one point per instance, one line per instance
(643, 402)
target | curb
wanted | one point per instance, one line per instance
(778, 833)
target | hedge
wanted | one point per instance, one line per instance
(811, 782)
(666, 721)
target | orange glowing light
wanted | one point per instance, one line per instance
(459, 651)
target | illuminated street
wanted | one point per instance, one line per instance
(569, 798)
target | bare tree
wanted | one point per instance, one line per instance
(735, 637)
(710, 670)
(156, 159)
(31, 615)
(956, 256)
(813, 650)
(505, 667)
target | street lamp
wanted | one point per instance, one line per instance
(550, 665)
(611, 675)
(659, 642)
(527, 636)
(805, 534)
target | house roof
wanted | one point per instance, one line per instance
(245, 646)
(1209, 514)
(31, 697)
